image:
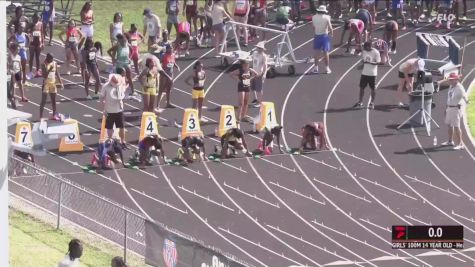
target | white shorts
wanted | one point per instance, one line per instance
(452, 117)
(87, 30)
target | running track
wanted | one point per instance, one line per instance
(329, 208)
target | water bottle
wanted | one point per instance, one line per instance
(435, 140)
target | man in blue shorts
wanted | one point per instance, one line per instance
(48, 18)
(322, 40)
(398, 11)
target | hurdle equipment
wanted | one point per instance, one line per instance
(266, 118)
(227, 120)
(148, 125)
(72, 142)
(427, 40)
(277, 60)
(191, 123)
(103, 135)
(23, 133)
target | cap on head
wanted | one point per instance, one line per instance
(454, 76)
(322, 9)
(147, 11)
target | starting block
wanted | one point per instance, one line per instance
(23, 133)
(227, 120)
(149, 125)
(71, 143)
(266, 118)
(191, 123)
(103, 135)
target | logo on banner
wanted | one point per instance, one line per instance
(169, 253)
(215, 263)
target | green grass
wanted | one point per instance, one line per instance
(34, 243)
(471, 112)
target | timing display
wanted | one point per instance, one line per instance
(427, 237)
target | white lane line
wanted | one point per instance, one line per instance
(128, 123)
(375, 225)
(203, 220)
(342, 190)
(301, 239)
(281, 165)
(356, 157)
(346, 169)
(303, 219)
(354, 239)
(309, 197)
(463, 217)
(417, 180)
(438, 169)
(207, 198)
(237, 189)
(321, 162)
(258, 244)
(254, 219)
(404, 194)
(166, 204)
(417, 220)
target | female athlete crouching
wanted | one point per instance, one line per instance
(309, 133)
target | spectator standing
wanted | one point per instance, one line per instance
(151, 26)
(50, 74)
(198, 93)
(112, 96)
(453, 112)
(135, 38)
(190, 10)
(166, 81)
(75, 250)
(15, 68)
(217, 15)
(89, 58)
(244, 74)
(259, 64)
(87, 19)
(37, 44)
(398, 12)
(73, 36)
(116, 27)
(172, 10)
(322, 41)
(120, 54)
(47, 17)
(370, 60)
(241, 14)
(23, 41)
(19, 18)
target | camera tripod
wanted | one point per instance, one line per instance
(425, 116)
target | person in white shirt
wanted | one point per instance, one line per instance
(259, 64)
(112, 96)
(151, 23)
(71, 259)
(322, 40)
(370, 61)
(116, 27)
(453, 112)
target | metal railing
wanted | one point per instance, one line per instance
(85, 208)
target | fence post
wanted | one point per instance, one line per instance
(60, 200)
(125, 235)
